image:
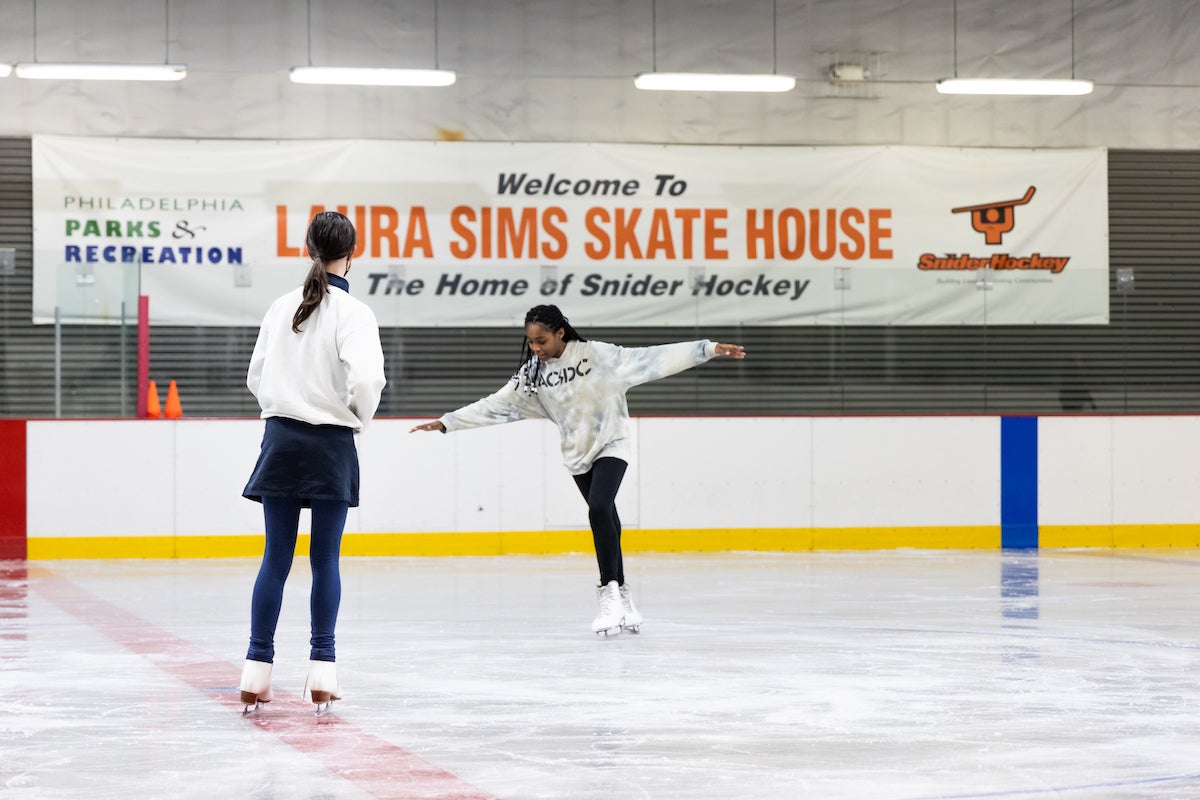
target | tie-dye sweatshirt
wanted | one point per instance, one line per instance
(583, 393)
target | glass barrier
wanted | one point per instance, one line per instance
(95, 339)
(985, 343)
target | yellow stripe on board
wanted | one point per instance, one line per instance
(492, 543)
(1061, 536)
(56, 547)
(964, 537)
(803, 539)
(489, 543)
(41, 549)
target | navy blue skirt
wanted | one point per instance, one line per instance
(308, 462)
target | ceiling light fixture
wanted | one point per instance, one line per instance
(363, 76)
(1015, 86)
(45, 70)
(5, 69)
(373, 76)
(82, 71)
(712, 81)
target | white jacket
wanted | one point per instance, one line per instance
(583, 393)
(330, 373)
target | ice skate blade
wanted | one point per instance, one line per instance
(324, 700)
(634, 628)
(606, 633)
(251, 702)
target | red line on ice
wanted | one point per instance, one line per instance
(373, 764)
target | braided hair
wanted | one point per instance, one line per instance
(552, 318)
(330, 236)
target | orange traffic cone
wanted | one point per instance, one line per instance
(173, 409)
(153, 409)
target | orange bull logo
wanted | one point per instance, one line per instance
(994, 220)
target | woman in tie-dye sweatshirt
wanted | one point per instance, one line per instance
(580, 386)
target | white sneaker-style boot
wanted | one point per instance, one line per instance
(612, 612)
(255, 685)
(633, 619)
(322, 683)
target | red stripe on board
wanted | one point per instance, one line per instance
(13, 483)
(373, 764)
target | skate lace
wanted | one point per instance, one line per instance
(610, 601)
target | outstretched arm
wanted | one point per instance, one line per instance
(638, 365)
(508, 404)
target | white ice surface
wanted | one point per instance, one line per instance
(898, 674)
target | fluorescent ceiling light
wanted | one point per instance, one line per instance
(713, 82)
(355, 76)
(1014, 86)
(44, 70)
(5, 69)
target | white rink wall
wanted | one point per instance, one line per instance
(156, 478)
(153, 478)
(1120, 471)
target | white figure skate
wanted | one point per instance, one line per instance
(322, 683)
(255, 685)
(633, 618)
(612, 611)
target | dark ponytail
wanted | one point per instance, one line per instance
(316, 286)
(330, 236)
(553, 319)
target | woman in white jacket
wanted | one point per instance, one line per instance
(580, 386)
(317, 372)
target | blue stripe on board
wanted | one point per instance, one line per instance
(1018, 482)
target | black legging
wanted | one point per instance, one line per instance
(599, 487)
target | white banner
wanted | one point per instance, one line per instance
(466, 234)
